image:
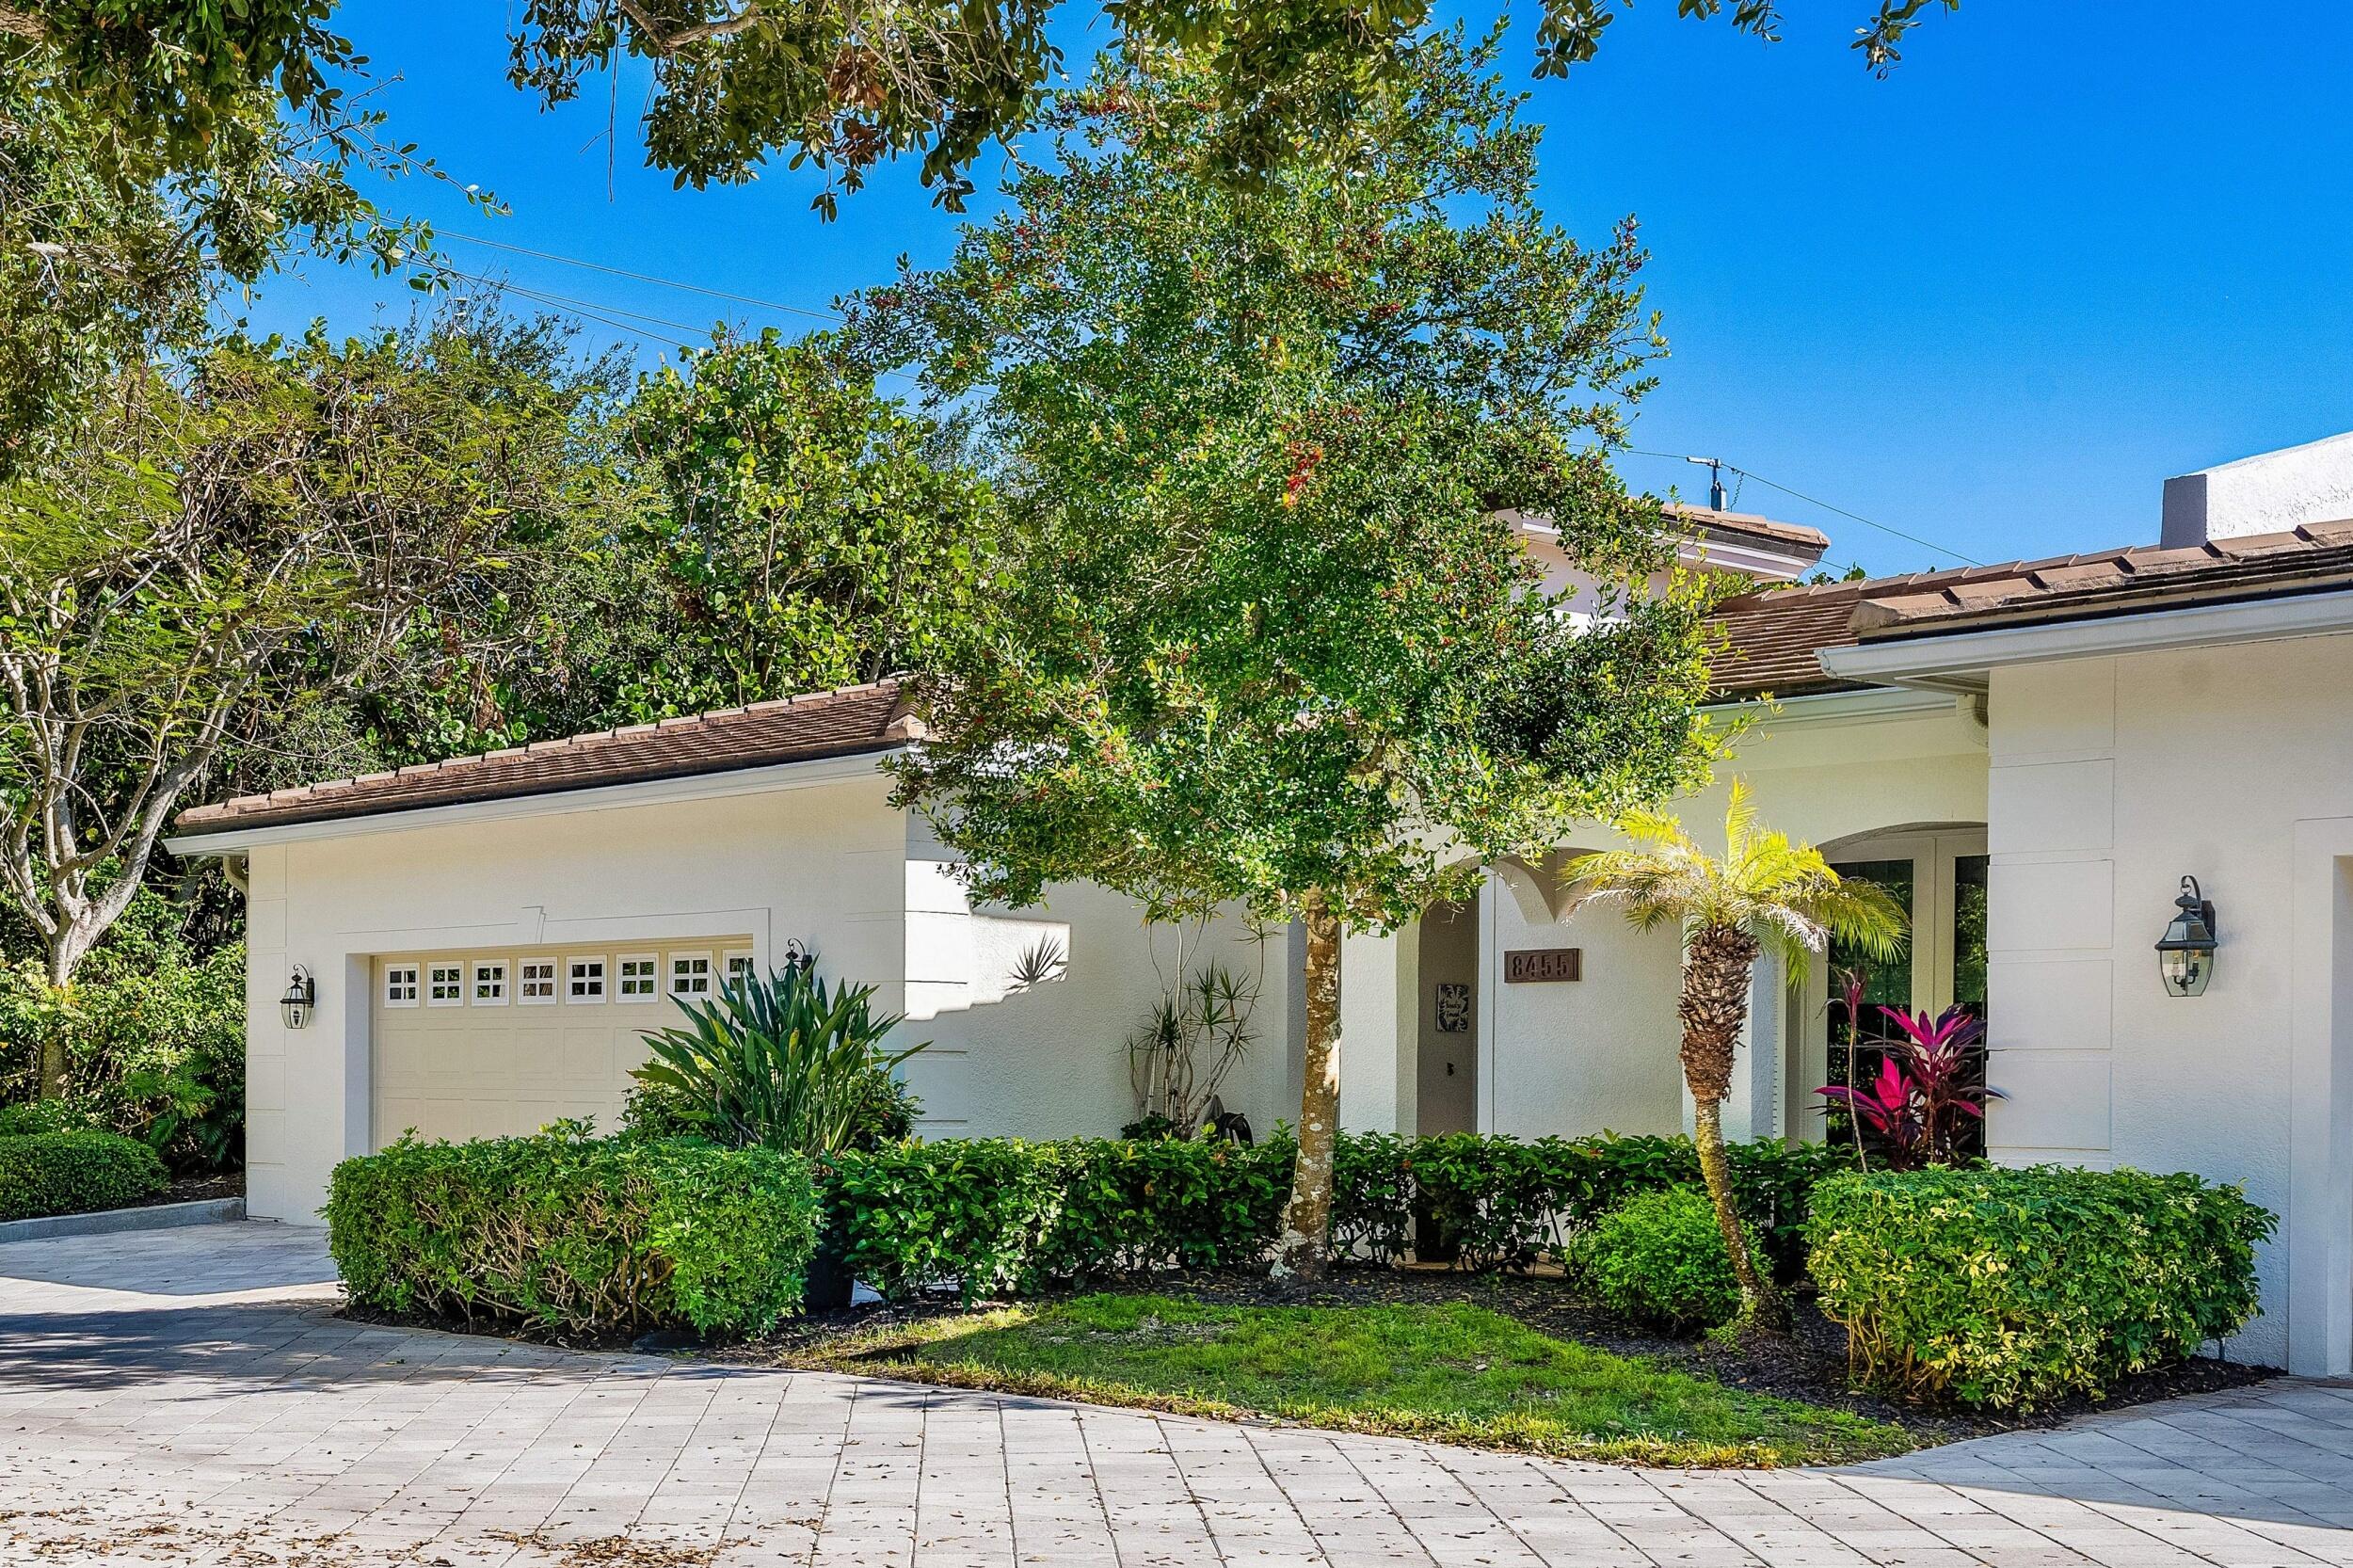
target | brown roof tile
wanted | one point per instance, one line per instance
(1747, 525)
(1772, 638)
(844, 723)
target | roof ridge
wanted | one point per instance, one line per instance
(296, 794)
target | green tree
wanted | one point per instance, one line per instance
(842, 86)
(237, 541)
(1764, 894)
(138, 181)
(805, 531)
(1270, 637)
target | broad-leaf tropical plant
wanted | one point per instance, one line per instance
(1764, 895)
(1928, 1091)
(786, 1062)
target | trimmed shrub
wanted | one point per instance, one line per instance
(2015, 1288)
(74, 1171)
(1504, 1203)
(994, 1216)
(998, 1215)
(1660, 1257)
(568, 1232)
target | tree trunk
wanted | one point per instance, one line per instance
(1306, 1243)
(65, 956)
(1717, 971)
(1757, 1291)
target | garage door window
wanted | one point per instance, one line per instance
(690, 974)
(537, 987)
(584, 981)
(400, 985)
(738, 967)
(637, 977)
(489, 982)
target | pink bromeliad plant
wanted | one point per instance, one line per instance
(1924, 1097)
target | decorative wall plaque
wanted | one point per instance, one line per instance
(1524, 964)
(1454, 1007)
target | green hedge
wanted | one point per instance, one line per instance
(579, 1234)
(2014, 1287)
(1000, 1215)
(1506, 1203)
(74, 1171)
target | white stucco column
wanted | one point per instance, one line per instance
(1380, 1030)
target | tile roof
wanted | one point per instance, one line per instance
(1747, 526)
(2311, 559)
(1773, 637)
(842, 723)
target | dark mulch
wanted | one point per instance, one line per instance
(228, 1184)
(1809, 1365)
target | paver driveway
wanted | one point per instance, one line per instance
(188, 1397)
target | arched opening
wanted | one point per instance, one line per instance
(1936, 872)
(1448, 967)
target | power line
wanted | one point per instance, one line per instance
(642, 277)
(1811, 501)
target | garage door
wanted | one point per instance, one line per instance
(486, 1043)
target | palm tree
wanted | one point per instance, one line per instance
(1765, 894)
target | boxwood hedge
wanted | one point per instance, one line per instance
(994, 1216)
(568, 1232)
(2015, 1288)
(74, 1172)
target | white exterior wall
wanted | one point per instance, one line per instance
(827, 862)
(1576, 1058)
(2112, 778)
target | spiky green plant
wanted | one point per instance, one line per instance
(782, 1062)
(1767, 894)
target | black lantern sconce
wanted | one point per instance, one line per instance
(2185, 954)
(300, 1000)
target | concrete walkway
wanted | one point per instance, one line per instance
(186, 1397)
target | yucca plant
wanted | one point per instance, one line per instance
(782, 1062)
(1765, 893)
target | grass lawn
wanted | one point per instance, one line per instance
(1450, 1370)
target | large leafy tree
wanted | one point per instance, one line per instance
(241, 540)
(1764, 894)
(756, 520)
(1272, 638)
(842, 85)
(138, 181)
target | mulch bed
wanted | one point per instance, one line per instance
(1809, 1365)
(228, 1184)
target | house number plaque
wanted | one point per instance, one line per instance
(1521, 965)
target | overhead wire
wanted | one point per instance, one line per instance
(1827, 506)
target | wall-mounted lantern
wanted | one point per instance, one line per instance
(2185, 954)
(300, 1000)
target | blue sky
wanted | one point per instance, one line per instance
(2071, 247)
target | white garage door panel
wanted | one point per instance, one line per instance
(496, 1069)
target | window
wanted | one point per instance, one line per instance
(537, 987)
(400, 985)
(739, 966)
(690, 974)
(585, 980)
(638, 975)
(445, 985)
(489, 982)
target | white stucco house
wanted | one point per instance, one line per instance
(2035, 754)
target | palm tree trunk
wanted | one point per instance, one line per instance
(1757, 1291)
(1714, 1007)
(1305, 1245)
